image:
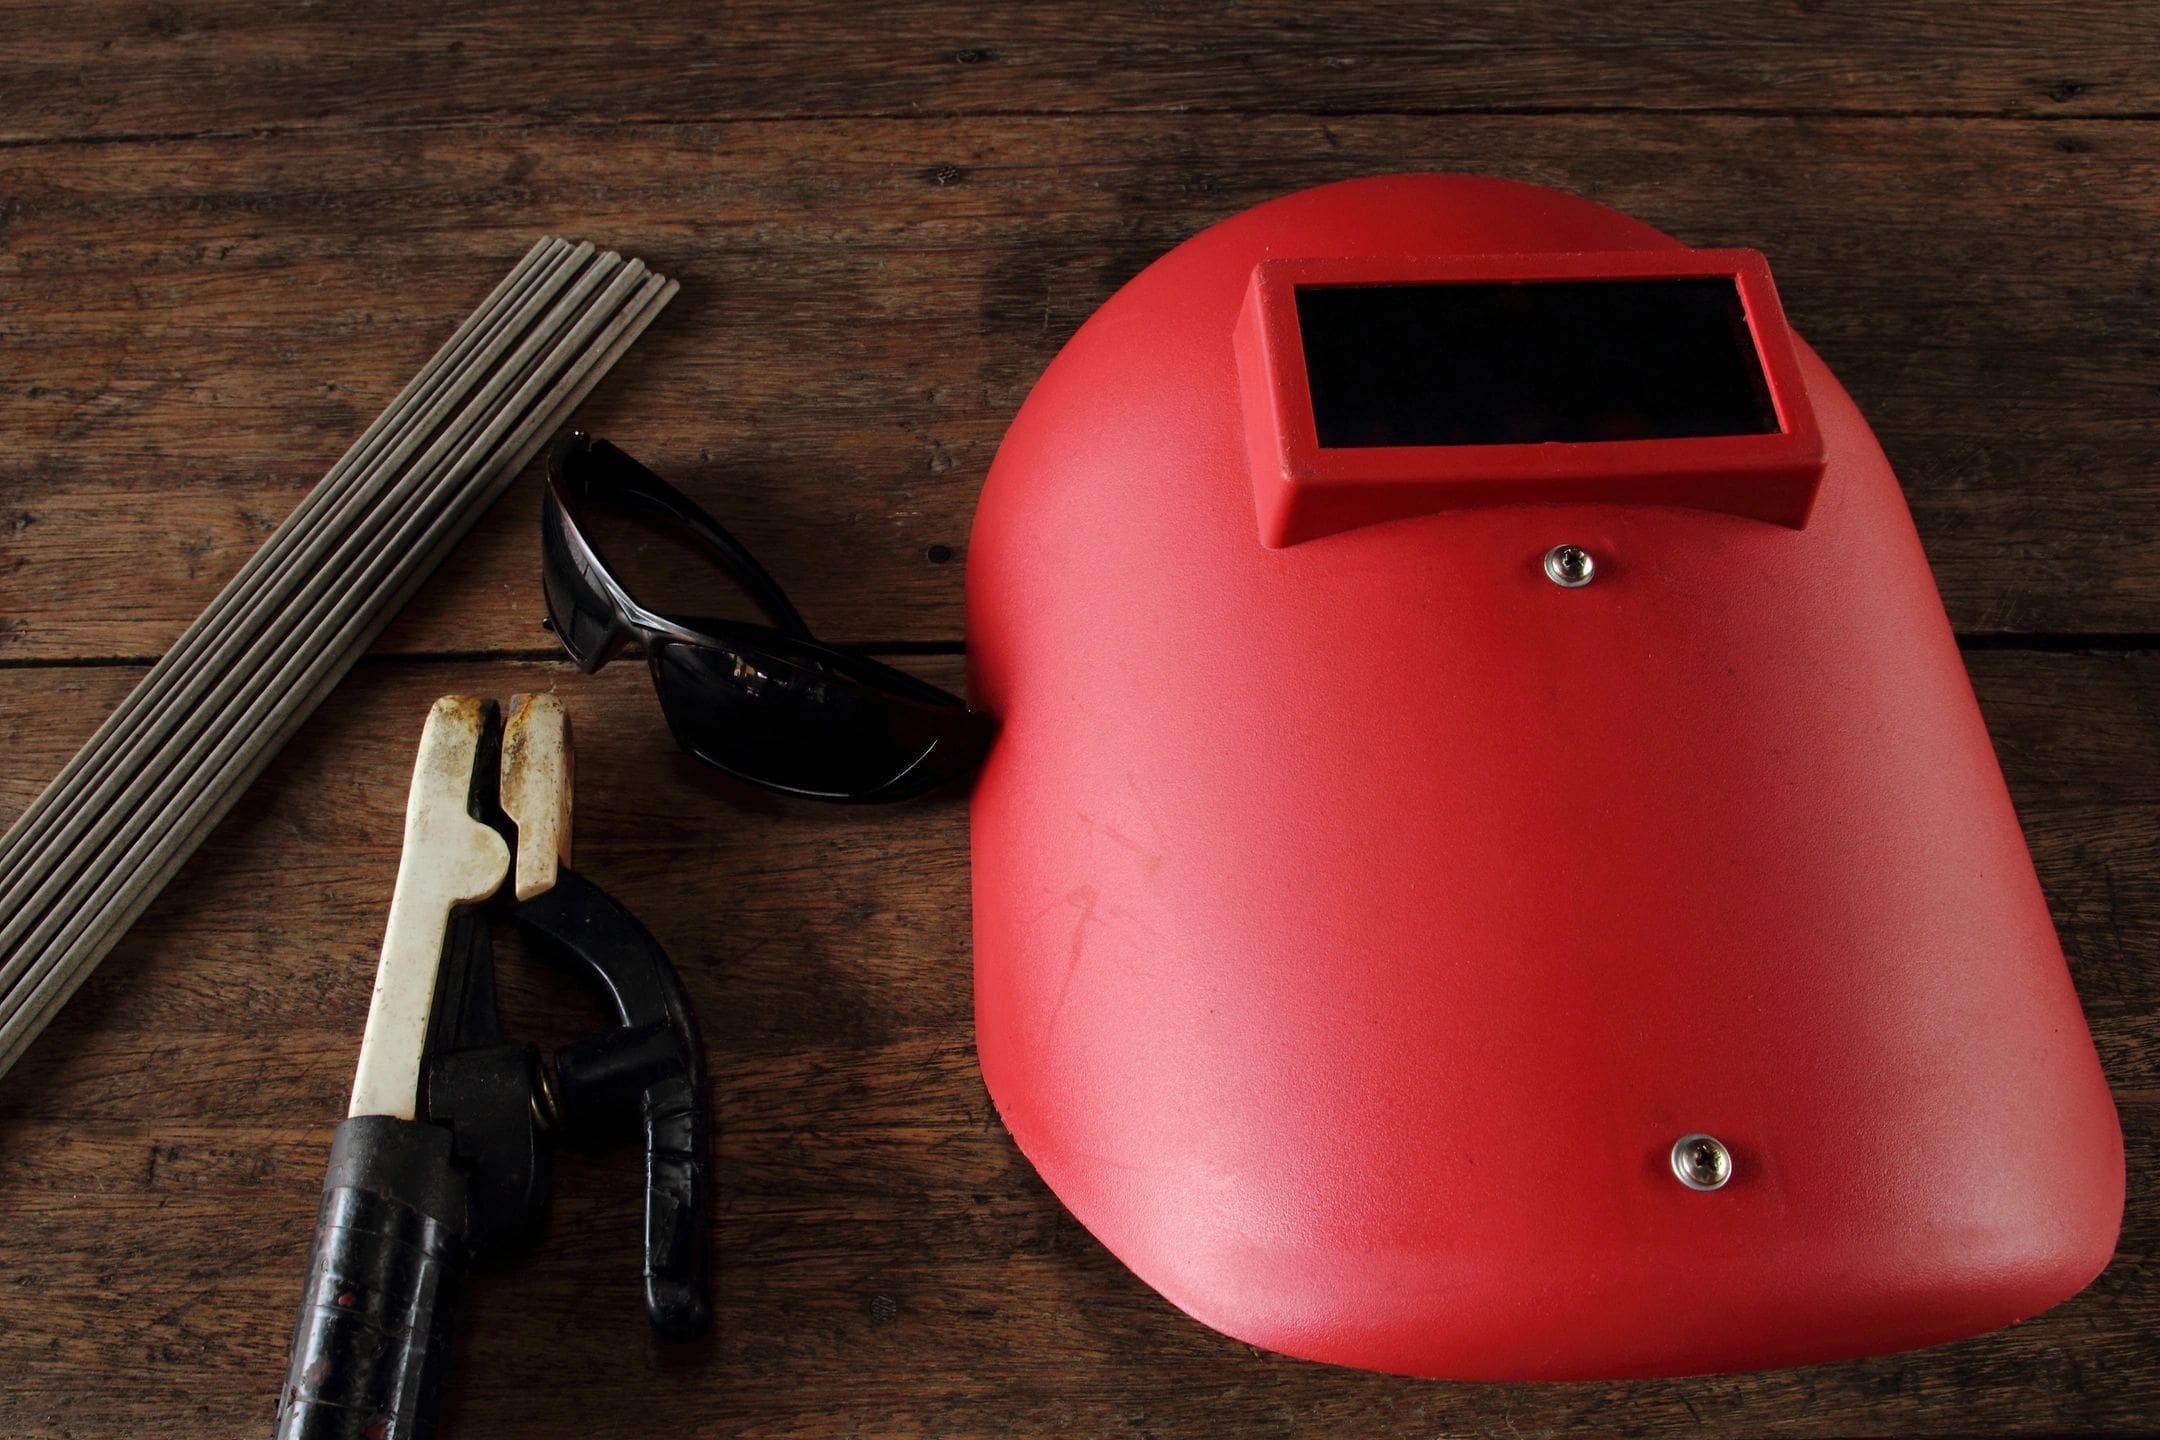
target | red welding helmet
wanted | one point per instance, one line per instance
(1491, 867)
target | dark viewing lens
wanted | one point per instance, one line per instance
(1531, 362)
(808, 726)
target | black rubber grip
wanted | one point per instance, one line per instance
(372, 1345)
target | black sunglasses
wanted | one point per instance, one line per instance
(766, 704)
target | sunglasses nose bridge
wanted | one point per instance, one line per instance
(618, 638)
(590, 631)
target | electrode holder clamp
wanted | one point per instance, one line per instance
(443, 1161)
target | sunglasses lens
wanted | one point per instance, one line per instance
(810, 725)
(656, 559)
(582, 615)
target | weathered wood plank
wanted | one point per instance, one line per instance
(1959, 201)
(107, 69)
(195, 330)
(888, 1263)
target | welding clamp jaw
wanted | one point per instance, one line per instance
(443, 1161)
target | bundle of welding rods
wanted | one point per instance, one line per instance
(96, 847)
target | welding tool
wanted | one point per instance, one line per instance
(442, 1160)
(92, 851)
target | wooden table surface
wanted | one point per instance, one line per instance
(228, 233)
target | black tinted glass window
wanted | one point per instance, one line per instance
(1527, 362)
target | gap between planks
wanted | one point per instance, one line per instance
(1112, 112)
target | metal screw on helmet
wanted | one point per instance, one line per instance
(1701, 1162)
(1569, 566)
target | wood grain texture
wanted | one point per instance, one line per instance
(887, 1262)
(136, 68)
(197, 329)
(229, 232)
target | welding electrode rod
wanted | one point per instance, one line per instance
(91, 817)
(180, 810)
(259, 575)
(73, 844)
(121, 784)
(85, 860)
(172, 847)
(131, 802)
(280, 606)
